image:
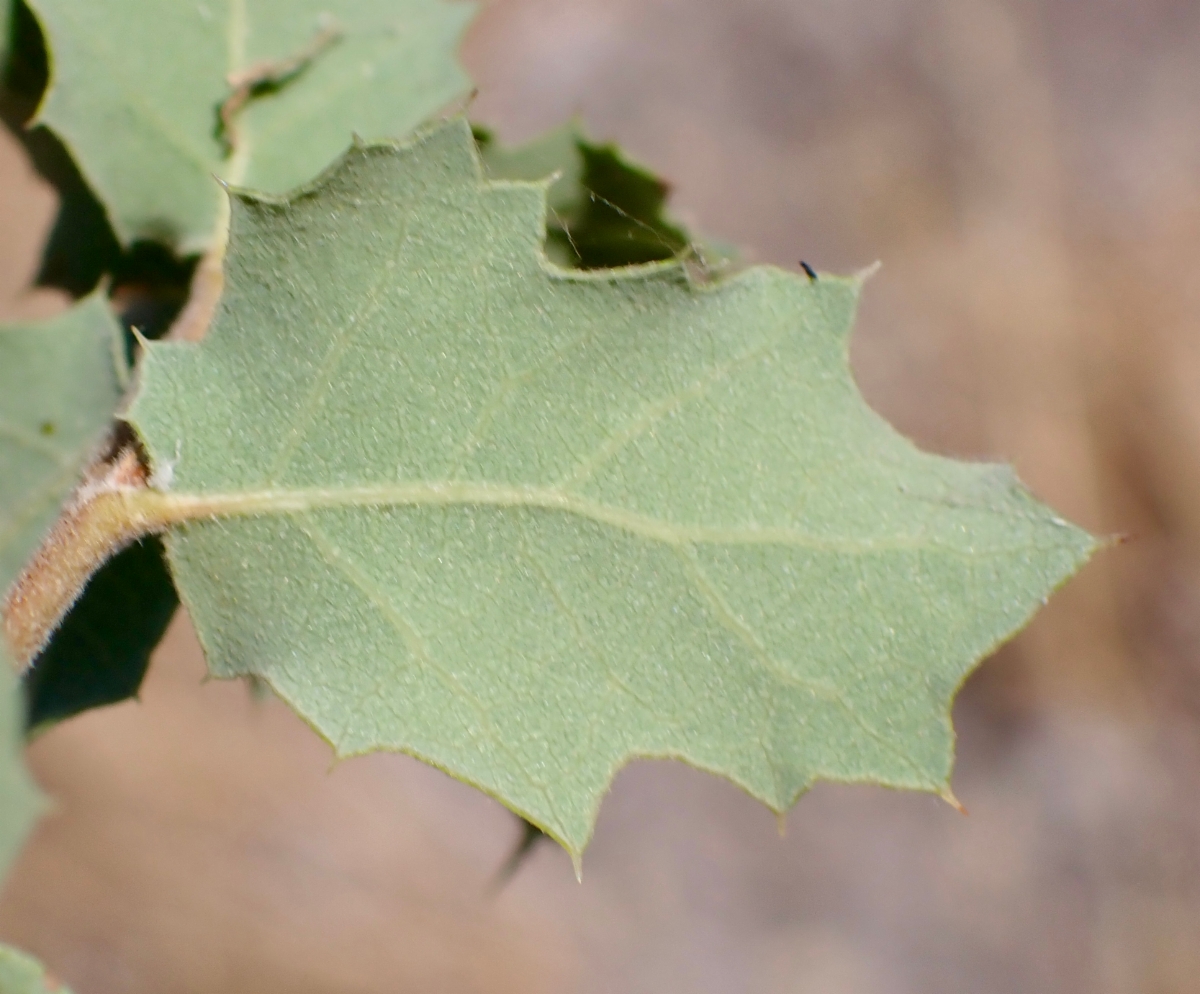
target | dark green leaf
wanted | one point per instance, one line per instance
(603, 211)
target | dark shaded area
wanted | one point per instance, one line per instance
(604, 211)
(81, 247)
(100, 653)
(149, 283)
(26, 67)
(531, 835)
(620, 221)
(150, 286)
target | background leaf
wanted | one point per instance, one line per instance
(59, 383)
(19, 799)
(81, 245)
(136, 86)
(22, 974)
(603, 211)
(527, 523)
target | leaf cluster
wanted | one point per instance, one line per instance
(466, 451)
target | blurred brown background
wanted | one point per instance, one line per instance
(1029, 172)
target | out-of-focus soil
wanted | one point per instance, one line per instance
(1030, 175)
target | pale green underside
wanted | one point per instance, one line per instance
(20, 802)
(22, 974)
(554, 154)
(59, 384)
(136, 86)
(527, 524)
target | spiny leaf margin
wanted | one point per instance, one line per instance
(820, 645)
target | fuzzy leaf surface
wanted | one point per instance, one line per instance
(59, 383)
(136, 86)
(526, 523)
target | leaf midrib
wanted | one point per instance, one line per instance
(171, 507)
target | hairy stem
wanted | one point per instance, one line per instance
(100, 520)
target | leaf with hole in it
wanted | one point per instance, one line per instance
(527, 523)
(59, 383)
(136, 87)
(22, 974)
(20, 803)
(587, 229)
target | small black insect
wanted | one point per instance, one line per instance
(812, 273)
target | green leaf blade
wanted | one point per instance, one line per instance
(527, 523)
(59, 383)
(136, 88)
(22, 974)
(20, 802)
(391, 70)
(148, 148)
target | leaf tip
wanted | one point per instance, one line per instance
(867, 272)
(947, 795)
(1102, 542)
